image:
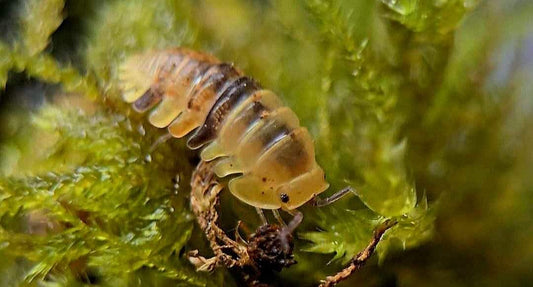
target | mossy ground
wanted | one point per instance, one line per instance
(424, 107)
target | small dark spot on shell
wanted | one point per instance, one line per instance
(284, 197)
(264, 179)
(262, 193)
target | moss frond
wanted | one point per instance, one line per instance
(344, 232)
(105, 205)
(39, 19)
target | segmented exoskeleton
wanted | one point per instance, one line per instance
(247, 129)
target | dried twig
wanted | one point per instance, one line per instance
(204, 202)
(361, 257)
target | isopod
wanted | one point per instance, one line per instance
(242, 126)
(242, 130)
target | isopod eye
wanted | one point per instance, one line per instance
(284, 198)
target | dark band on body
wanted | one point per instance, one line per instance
(236, 92)
(149, 99)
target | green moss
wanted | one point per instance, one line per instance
(403, 98)
(350, 233)
(5, 64)
(414, 229)
(49, 70)
(39, 20)
(104, 206)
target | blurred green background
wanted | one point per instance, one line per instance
(425, 107)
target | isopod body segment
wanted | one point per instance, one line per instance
(244, 128)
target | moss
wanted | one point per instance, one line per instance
(412, 103)
(5, 64)
(103, 206)
(39, 20)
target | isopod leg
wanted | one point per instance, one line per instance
(261, 215)
(287, 230)
(296, 220)
(278, 217)
(238, 238)
(320, 202)
(162, 139)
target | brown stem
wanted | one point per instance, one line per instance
(361, 258)
(204, 202)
